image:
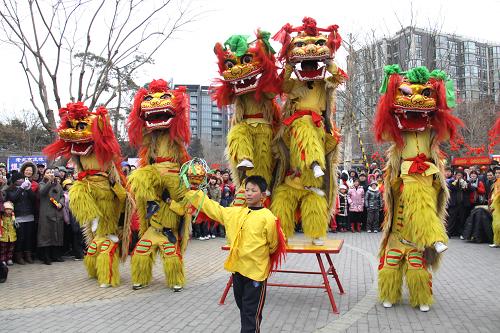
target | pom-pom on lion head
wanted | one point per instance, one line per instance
(82, 133)
(159, 108)
(414, 101)
(245, 66)
(310, 47)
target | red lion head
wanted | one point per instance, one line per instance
(82, 132)
(414, 101)
(245, 67)
(159, 108)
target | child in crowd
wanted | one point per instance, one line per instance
(7, 239)
(373, 204)
(356, 200)
(257, 246)
(342, 209)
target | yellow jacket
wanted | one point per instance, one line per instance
(7, 229)
(252, 235)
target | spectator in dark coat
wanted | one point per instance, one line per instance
(51, 218)
(458, 204)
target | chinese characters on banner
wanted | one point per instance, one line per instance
(15, 162)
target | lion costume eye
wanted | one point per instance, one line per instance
(426, 92)
(406, 91)
(148, 98)
(81, 126)
(246, 59)
(229, 64)
(320, 42)
(299, 44)
(166, 96)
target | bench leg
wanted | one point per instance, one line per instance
(334, 273)
(327, 284)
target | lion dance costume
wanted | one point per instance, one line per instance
(159, 126)
(414, 114)
(98, 197)
(495, 197)
(250, 82)
(307, 144)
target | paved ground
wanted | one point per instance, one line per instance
(59, 298)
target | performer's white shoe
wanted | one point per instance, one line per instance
(424, 308)
(137, 286)
(493, 245)
(317, 171)
(95, 224)
(105, 285)
(177, 288)
(318, 241)
(387, 304)
(245, 164)
(440, 247)
(113, 238)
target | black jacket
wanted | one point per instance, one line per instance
(373, 199)
(23, 200)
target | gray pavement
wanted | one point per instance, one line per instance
(59, 298)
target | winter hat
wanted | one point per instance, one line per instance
(15, 177)
(343, 187)
(66, 182)
(373, 182)
(8, 205)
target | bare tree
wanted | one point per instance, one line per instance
(95, 45)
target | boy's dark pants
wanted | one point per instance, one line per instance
(372, 222)
(250, 296)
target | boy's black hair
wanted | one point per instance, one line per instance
(257, 180)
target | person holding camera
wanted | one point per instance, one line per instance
(458, 204)
(51, 218)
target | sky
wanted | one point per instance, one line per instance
(188, 57)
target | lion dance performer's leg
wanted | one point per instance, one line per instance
(261, 135)
(143, 259)
(419, 280)
(240, 144)
(84, 208)
(284, 204)
(307, 144)
(173, 265)
(144, 183)
(107, 264)
(314, 213)
(390, 274)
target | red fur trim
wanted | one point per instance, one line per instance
(106, 145)
(57, 148)
(385, 124)
(269, 81)
(180, 126)
(135, 123)
(444, 123)
(279, 256)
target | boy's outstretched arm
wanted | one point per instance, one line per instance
(211, 208)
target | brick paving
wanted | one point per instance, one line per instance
(59, 298)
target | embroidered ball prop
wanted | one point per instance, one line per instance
(194, 174)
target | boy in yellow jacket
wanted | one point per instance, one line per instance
(257, 246)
